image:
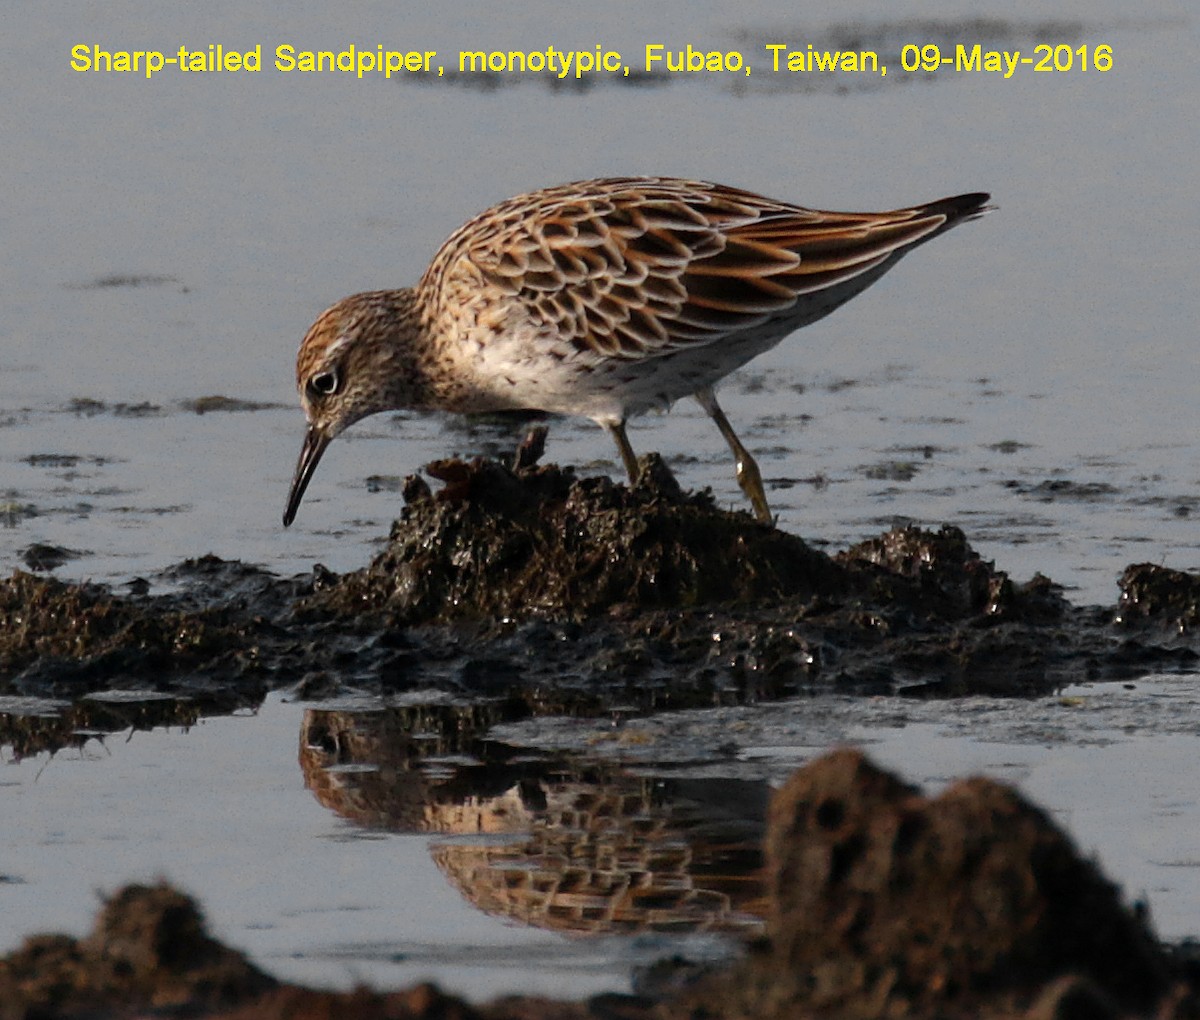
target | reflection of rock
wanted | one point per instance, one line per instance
(593, 849)
(30, 725)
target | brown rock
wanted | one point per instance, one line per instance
(149, 950)
(887, 903)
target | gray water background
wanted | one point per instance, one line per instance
(1029, 377)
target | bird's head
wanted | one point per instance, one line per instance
(353, 363)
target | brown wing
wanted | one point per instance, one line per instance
(638, 267)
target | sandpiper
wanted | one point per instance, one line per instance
(603, 299)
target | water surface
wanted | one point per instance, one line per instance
(1030, 377)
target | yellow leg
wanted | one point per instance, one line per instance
(628, 457)
(748, 476)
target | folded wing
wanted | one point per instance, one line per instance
(633, 268)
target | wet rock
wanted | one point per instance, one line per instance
(938, 572)
(112, 280)
(542, 592)
(143, 410)
(385, 483)
(1057, 489)
(887, 903)
(89, 407)
(1152, 592)
(414, 489)
(44, 557)
(56, 636)
(149, 950)
(209, 582)
(59, 460)
(86, 406)
(531, 448)
(892, 471)
(499, 544)
(216, 402)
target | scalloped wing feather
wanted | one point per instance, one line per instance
(631, 268)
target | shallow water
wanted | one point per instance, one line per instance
(172, 240)
(1029, 377)
(326, 885)
(1114, 764)
(223, 812)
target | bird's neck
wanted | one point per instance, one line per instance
(404, 358)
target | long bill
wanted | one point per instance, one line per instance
(315, 441)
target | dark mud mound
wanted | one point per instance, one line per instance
(1150, 592)
(72, 638)
(149, 951)
(498, 544)
(501, 544)
(938, 574)
(973, 904)
(665, 584)
(534, 590)
(151, 955)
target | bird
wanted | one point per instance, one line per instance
(603, 299)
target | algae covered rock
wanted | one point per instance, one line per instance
(499, 543)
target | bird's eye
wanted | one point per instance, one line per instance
(324, 383)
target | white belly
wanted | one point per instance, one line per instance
(523, 372)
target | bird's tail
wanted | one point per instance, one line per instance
(958, 209)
